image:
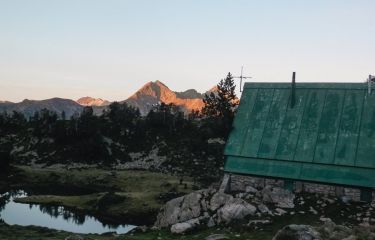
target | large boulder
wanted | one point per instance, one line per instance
(264, 209)
(218, 200)
(235, 209)
(74, 237)
(216, 237)
(281, 197)
(335, 232)
(182, 209)
(191, 206)
(297, 232)
(179, 228)
(170, 212)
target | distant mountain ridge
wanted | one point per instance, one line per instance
(29, 107)
(89, 101)
(189, 94)
(151, 94)
(5, 102)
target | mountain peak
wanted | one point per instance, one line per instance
(156, 92)
(155, 85)
(160, 84)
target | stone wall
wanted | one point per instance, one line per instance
(319, 188)
(353, 193)
(238, 183)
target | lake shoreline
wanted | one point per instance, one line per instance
(133, 218)
(132, 197)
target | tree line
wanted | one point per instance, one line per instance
(110, 137)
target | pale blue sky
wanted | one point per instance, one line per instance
(109, 48)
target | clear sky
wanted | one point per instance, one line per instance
(110, 48)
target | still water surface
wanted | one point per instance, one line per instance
(52, 217)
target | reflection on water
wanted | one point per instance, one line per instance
(55, 217)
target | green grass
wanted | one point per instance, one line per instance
(83, 202)
(99, 179)
(83, 189)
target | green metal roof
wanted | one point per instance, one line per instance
(327, 136)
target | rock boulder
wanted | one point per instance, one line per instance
(218, 200)
(281, 197)
(183, 209)
(179, 228)
(235, 209)
(297, 232)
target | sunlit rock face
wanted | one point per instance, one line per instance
(89, 101)
(154, 93)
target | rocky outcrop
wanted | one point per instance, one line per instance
(184, 208)
(297, 232)
(216, 237)
(258, 207)
(330, 230)
(235, 209)
(210, 207)
(281, 197)
(185, 226)
(206, 207)
(218, 200)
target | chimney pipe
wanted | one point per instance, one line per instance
(293, 95)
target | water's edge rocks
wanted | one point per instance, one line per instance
(209, 207)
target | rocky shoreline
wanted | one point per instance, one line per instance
(209, 208)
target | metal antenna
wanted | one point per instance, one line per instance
(241, 77)
(369, 84)
(370, 80)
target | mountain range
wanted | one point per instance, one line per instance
(151, 94)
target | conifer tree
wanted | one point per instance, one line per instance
(220, 105)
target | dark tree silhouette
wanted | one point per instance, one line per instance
(220, 106)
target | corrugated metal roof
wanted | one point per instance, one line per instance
(327, 136)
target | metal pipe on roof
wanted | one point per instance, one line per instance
(293, 95)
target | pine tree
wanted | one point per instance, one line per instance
(220, 106)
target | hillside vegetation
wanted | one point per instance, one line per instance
(166, 140)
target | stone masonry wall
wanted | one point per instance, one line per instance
(353, 193)
(238, 183)
(319, 188)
